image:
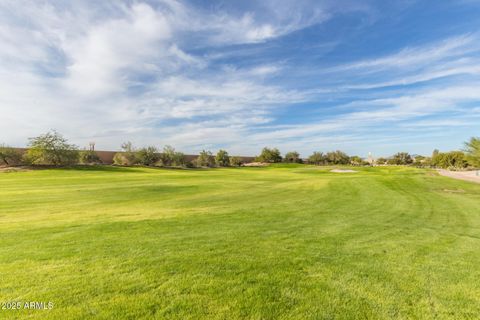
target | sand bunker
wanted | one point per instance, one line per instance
(473, 176)
(255, 164)
(343, 171)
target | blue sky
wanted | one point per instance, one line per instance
(305, 75)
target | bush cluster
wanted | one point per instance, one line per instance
(148, 156)
(449, 160)
(10, 156)
(334, 157)
(169, 157)
(269, 155)
(52, 148)
(89, 157)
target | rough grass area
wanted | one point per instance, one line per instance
(281, 242)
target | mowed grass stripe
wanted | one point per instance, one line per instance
(285, 242)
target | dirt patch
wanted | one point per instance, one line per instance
(473, 176)
(343, 171)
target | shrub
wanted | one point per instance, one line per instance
(292, 157)
(356, 161)
(51, 149)
(178, 159)
(127, 157)
(419, 159)
(10, 156)
(130, 153)
(453, 159)
(337, 157)
(147, 156)
(205, 159)
(317, 158)
(381, 161)
(222, 159)
(89, 157)
(169, 157)
(269, 155)
(120, 160)
(190, 164)
(235, 161)
(426, 162)
(391, 162)
(401, 158)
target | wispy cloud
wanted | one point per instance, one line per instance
(169, 71)
(413, 57)
(126, 72)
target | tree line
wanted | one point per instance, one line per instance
(469, 157)
(273, 155)
(169, 157)
(52, 148)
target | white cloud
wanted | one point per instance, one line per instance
(96, 59)
(102, 59)
(385, 112)
(418, 56)
(112, 71)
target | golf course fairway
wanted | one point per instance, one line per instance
(277, 242)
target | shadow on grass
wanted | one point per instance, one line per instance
(107, 168)
(104, 168)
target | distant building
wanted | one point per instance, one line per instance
(370, 158)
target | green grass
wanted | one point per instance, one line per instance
(284, 242)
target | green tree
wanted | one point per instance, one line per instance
(53, 149)
(292, 157)
(169, 157)
(401, 158)
(452, 159)
(222, 159)
(381, 161)
(356, 161)
(337, 157)
(205, 159)
(418, 159)
(317, 158)
(456, 159)
(178, 159)
(235, 161)
(270, 155)
(472, 148)
(10, 156)
(147, 156)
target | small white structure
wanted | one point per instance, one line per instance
(370, 158)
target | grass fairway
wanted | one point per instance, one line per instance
(284, 242)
